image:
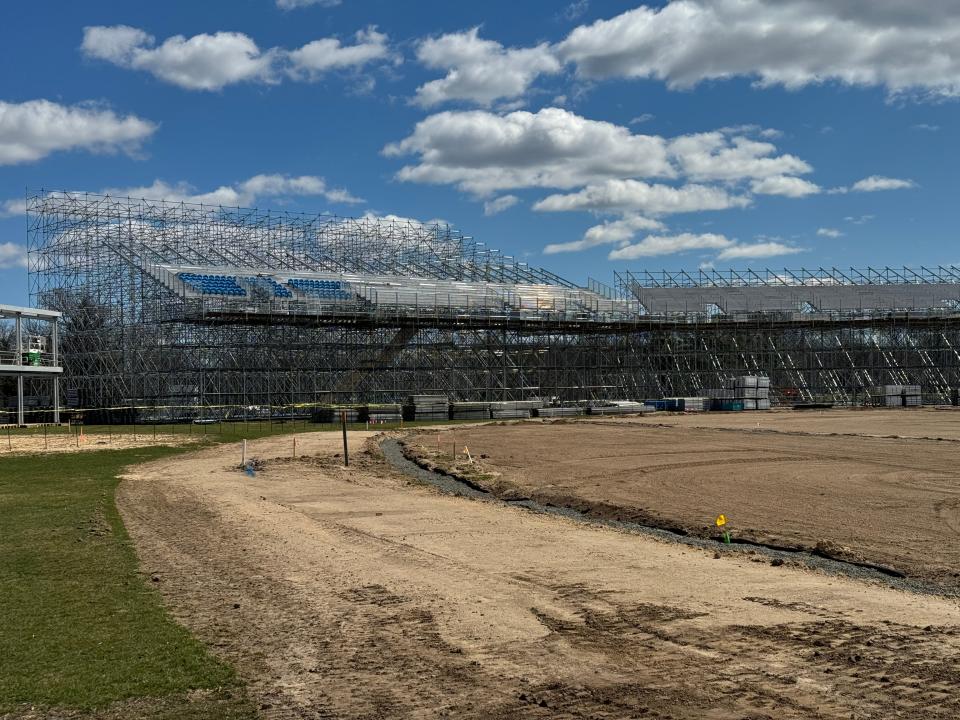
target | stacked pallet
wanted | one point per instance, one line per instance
(470, 411)
(551, 412)
(753, 391)
(617, 407)
(331, 414)
(514, 409)
(746, 392)
(692, 404)
(387, 413)
(898, 396)
(763, 393)
(429, 407)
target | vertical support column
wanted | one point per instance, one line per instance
(56, 378)
(20, 400)
(19, 332)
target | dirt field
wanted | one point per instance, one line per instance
(893, 502)
(356, 594)
(61, 442)
(930, 423)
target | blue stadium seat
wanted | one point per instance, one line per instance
(213, 284)
(322, 289)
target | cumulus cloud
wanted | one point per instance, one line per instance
(654, 245)
(498, 205)
(243, 193)
(34, 129)
(721, 155)
(658, 245)
(784, 185)
(758, 250)
(320, 56)
(875, 183)
(900, 46)
(613, 232)
(478, 70)
(213, 61)
(638, 196)
(12, 208)
(829, 232)
(12, 255)
(482, 152)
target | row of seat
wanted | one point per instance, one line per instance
(323, 289)
(214, 284)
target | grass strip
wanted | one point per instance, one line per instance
(81, 630)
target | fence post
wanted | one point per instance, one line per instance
(343, 426)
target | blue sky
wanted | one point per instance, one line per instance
(584, 137)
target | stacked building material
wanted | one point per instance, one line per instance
(550, 412)
(387, 413)
(763, 392)
(470, 411)
(514, 409)
(429, 407)
(695, 404)
(617, 407)
(331, 414)
(898, 396)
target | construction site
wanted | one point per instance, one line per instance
(399, 474)
(190, 310)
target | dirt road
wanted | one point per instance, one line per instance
(894, 502)
(355, 594)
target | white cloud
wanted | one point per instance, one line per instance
(875, 183)
(926, 126)
(757, 250)
(640, 119)
(32, 130)
(859, 220)
(504, 202)
(900, 46)
(654, 245)
(12, 255)
(614, 232)
(637, 196)
(244, 193)
(320, 56)
(213, 61)
(12, 208)
(292, 4)
(784, 185)
(719, 156)
(478, 70)
(201, 62)
(829, 232)
(482, 152)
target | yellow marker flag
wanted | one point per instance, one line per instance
(721, 520)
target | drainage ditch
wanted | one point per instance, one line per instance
(394, 455)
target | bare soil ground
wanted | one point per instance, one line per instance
(926, 423)
(353, 593)
(890, 501)
(61, 442)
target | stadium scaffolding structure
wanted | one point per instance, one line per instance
(214, 310)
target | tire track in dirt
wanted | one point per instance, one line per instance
(354, 594)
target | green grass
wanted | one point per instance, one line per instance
(80, 628)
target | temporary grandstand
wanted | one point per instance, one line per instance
(215, 310)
